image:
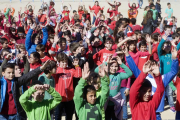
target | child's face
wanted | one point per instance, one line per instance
(17, 71)
(41, 53)
(143, 48)
(138, 36)
(75, 13)
(63, 46)
(168, 31)
(38, 95)
(169, 6)
(132, 47)
(8, 73)
(40, 12)
(66, 8)
(134, 5)
(36, 41)
(33, 59)
(63, 64)
(114, 67)
(167, 47)
(145, 94)
(120, 39)
(108, 45)
(96, 42)
(97, 86)
(67, 38)
(153, 8)
(51, 40)
(91, 97)
(23, 51)
(113, 8)
(5, 44)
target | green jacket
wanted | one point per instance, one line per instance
(86, 111)
(6, 13)
(39, 110)
(48, 81)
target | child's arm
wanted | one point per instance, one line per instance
(24, 99)
(159, 91)
(104, 90)
(13, 11)
(5, 14)
(45, 36)
(129, 5)
(159, 49)
(127, 73)
(28, 42)
(52, 103)
(134, 91)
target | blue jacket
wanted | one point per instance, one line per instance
(166, 78)
(30, 46)
(16, 83)
(158, 7)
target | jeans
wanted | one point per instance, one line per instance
(69, 110)
(94, 19)
(125, 115)
(9, 117)
(158, 116)
(169, 92)
(140, 3)
(177, 115)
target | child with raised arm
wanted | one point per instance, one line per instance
(86, 104)
(143, 105)
(38, 108)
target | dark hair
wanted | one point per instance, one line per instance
(68, 32)
(92, 79)
(8, 65)
(108, 20)
(154, 36)
(73, 46)
(174, 35)
(50, 29)
(62, 40)
(143, 36)
(116, 28)
(37, 56)
(20, 29)
(30, 10)
(12, 29)
(37, 82)
(4, 50)
(51, 36)
(142, 43)
(62, 57)
(137, 32)
(40, 47)
(3, 40)
(74, 11)
(146, 84)
(147, 17)
(108, 40)
(119, 35)
(167, 26)
(163, 52)
(133, 21)
(113, 6)
(131, 42)
(77, 20)
(168, 3)
(50, 66)
(88, 88)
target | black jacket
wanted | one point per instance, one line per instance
(149, 27)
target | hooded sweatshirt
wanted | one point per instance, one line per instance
(86, 111)
(64, 81)
(39, 110)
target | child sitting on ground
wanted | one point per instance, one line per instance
(41, 112)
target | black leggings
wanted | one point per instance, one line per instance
(68, 108)
(110, 114)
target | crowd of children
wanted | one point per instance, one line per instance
(53, 63)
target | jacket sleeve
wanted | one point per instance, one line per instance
(168, 77)
(133, 66)
(129, 5)
(24, 99)
(28, 76)
(77, 73)
(26, 65)
(134, 91)
(52, 103)
(159, 91)
(28, 42)
(78, 95)
(104, 91)
(127, 73)
(95, 58)
(45, 36)
(5, 14)
(159, 47)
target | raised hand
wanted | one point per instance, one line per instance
(147, 67)
(56, 38)
(164, 37)
(9, 56)
(45, 65)
(119, 60)
(103, 70)
(33, 26)
(155, 68)
(174, 53)
(85, 71)
(46, 87)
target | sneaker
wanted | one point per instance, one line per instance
(172, 109)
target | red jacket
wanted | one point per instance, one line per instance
(102, 56)
(111, 12)
(145, 110)
(64, 82)
(96, 9)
